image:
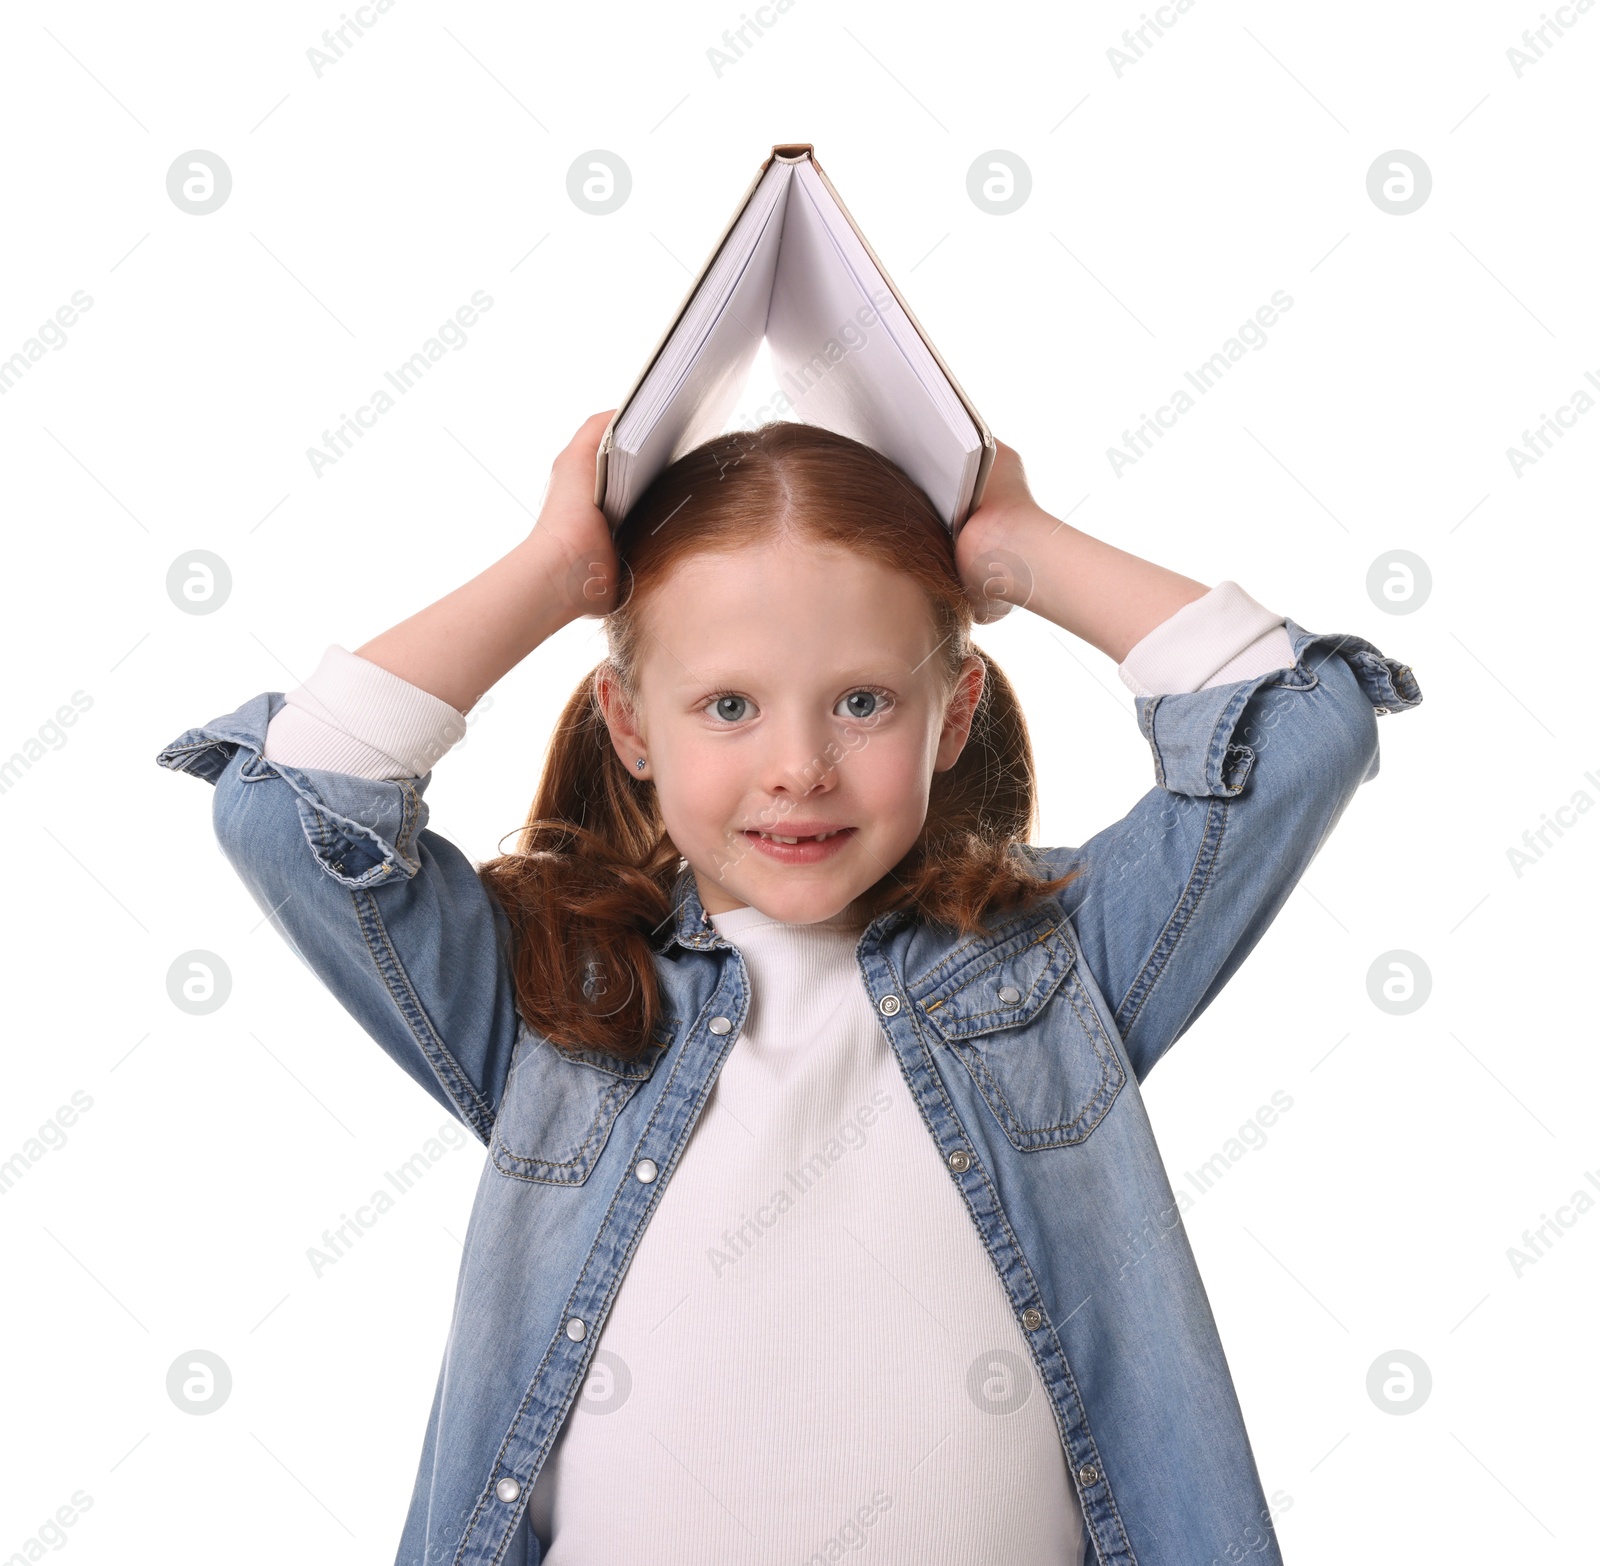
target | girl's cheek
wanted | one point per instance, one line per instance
(896, 790)
(895, 761)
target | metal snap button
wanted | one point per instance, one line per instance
(719, 1025)
(960, 1160)
(889, 1005)
(1031, 1317)
(576, 1329)
(1010, 995)
(645, 1170)
(508, 1490)
(1088, 1475)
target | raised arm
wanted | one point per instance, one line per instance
(319, 804)
(566, 567)
(393, 707)
(1013, 552)
(1260, 732)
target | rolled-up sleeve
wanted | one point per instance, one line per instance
(1220, 638)
(389, 915)
(1251, 776)
(353, 716)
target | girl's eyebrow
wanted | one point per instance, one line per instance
(857, 674)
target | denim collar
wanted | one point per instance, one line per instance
(688, 923)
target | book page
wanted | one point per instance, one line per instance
(850, 360)
(695, 383)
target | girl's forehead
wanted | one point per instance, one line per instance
(774, 659)
(776, 604)
(784, 592)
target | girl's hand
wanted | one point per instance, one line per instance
(571, 523)
(995, 574)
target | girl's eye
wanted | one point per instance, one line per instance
(863, 704)
(868, 702)
(727, 707)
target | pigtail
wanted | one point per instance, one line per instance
(587, 891)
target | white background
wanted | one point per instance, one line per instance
(1168, 204)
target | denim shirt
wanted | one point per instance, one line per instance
(1022, 1047)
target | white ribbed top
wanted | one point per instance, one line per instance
(811, 1352)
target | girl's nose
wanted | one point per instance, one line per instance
(803, 759)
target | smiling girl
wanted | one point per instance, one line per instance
(809, 1083)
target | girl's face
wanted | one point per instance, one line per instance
(792, 690)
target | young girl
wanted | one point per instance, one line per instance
(822, 1215)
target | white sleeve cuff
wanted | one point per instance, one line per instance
(354, 717)
(1218, 639)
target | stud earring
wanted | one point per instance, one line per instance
(640, 763)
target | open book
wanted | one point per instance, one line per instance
(793, 268)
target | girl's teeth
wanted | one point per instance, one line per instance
(822, 837)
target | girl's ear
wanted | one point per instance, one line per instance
(620, 718)
(959, 712)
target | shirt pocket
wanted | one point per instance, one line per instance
(1018, 1016)
(559, 1106)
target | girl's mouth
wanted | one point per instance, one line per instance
(790, 850)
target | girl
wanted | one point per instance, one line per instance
(821, 1212)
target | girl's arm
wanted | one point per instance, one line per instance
(1167, 633)
(319, 804)
(566, 567)
(395, 706)
(1261, 732)
(1012, 550)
